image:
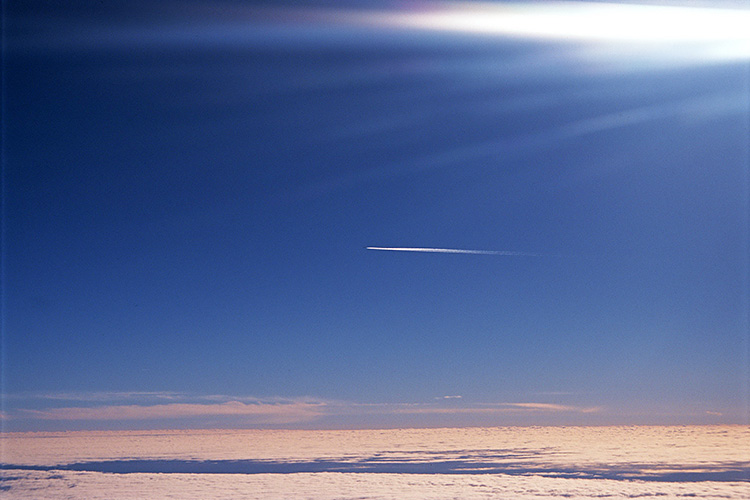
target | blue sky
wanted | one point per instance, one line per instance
(190, 191)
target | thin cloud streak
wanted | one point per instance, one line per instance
(198, 411)
(455, 250)
(273, 410)
(691, 110)
(100, 396)
(502, 408)
(277, 413)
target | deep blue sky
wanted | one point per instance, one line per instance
(190, 190)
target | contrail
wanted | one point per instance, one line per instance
(455, 250)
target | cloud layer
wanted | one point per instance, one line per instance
(708, 462)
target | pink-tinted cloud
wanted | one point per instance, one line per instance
(100, 396)
(187, 410)
(275, 413)
(553, 407)
(501, 408)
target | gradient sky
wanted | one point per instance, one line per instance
(190, 189)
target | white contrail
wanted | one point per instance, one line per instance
(454, 250)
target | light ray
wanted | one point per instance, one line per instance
(581, 21)
(707, 32)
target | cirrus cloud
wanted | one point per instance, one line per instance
(115, 410)
(270, 412)
(500, 408)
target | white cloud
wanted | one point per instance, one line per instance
(539, 462)
(44, 485)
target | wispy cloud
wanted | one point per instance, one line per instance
(552, 407)
(134, 409)
(694, 110)
(160, 405)
(501, 408)
(455, 250)
(272, 413)
(99, 396)
(704, 108)
(557, 393)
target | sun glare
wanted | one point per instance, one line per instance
(724, 29)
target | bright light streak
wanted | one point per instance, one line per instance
(454, 250)
(587, 21)
(727, 30)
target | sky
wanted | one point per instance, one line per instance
(316, 214)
